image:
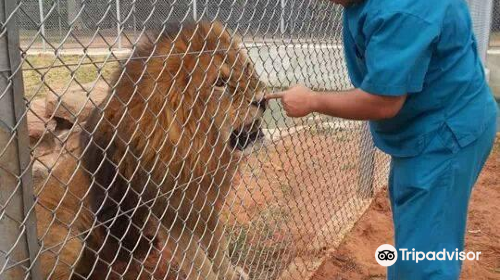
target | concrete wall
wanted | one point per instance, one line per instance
(493, 65)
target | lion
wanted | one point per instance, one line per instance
(155, 163)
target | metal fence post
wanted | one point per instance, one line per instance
(134, 11)
(73, 8)
(118, 24)
(366, 164)
(59, 13)
(18, 235)
(195, 11)
(42, 23)
(282, 17)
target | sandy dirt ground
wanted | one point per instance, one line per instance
(354, 259)
(295, 199)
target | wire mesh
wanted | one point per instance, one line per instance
(495, 24)
(152, 154)
(481, 12)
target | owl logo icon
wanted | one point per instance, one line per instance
(386, 255)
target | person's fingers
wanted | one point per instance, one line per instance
(277, 95)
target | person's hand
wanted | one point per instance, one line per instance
(298, 101)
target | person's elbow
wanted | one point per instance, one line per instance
(388, 106)
(387, 112)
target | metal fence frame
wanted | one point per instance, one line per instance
(15, 173)
(484, 13)
(124, 17)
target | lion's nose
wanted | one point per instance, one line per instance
(262, 104)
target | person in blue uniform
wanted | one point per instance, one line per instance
(419, 81)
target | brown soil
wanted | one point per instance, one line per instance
(354, 259)
(293, 200)
(296, 198)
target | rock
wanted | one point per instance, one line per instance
(69, 140)
(76, 104)
(40, 173)
(40, 128)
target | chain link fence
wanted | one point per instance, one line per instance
(495, 24)
(140, 129)
(67, 24)
(135, 142)
(481, 12)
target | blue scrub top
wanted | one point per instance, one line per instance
(425, 49)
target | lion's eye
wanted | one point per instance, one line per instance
(221, 82)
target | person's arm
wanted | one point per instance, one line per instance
(355, 104)
(397, 61)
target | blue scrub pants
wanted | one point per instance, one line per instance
(429, 196)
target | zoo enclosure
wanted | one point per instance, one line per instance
(495, 22)
(291, 200)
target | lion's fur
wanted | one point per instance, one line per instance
(156, 163)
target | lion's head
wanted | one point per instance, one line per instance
(223, 78)
(195, 82)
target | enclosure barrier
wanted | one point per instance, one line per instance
(481, 11)
(135, 142)
(495, 23)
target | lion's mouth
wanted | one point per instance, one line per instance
(244, 137)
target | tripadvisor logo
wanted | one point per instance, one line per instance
(387, 255)
(443, 255)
